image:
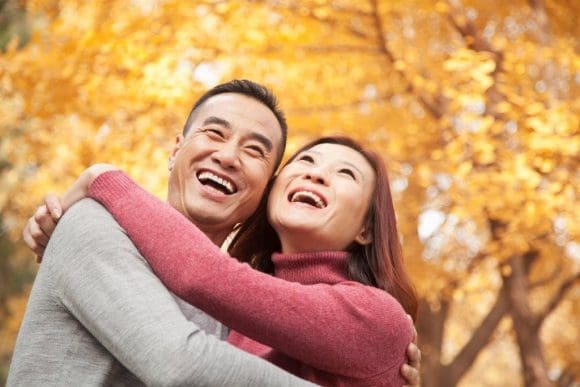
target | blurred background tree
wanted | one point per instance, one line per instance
(474, 104)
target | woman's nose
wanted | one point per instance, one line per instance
(316, 176)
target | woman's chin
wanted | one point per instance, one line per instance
(295, 223)
(297, 226)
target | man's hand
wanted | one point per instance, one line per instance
(40, 226)
(411, 370)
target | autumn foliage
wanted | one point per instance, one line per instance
(475, 105)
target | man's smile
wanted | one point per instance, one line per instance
(219, 182)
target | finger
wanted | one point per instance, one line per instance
(41, 212)
(52, 202)
(414, 355)
(414, 329)
(47, 225)
(411, 375)
(44, 220)
(26, 236)
(36, 232)
(31, 243)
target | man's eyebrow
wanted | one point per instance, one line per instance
(217, 121)
(254, 135)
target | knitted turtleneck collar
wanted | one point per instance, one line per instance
(328, 267)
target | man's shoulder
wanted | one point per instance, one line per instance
(86, 214)
(85, 222)
(86, 207)
(85, 236)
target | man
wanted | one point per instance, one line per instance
(98, 315)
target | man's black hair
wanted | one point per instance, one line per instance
(253, 90)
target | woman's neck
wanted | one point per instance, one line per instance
(312, 268)
(306, 243)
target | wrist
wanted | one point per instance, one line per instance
(96, 170)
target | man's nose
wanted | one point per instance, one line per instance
(227, 155)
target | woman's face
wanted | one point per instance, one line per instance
(320, 200)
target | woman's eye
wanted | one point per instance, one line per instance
(348, 172)
(306, 158)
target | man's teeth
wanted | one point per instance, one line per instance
(229, 187)
(309, 198)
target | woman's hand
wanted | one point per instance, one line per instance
(411, 370)
(80, 188)
(40, 226)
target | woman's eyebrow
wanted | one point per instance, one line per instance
(341, 161)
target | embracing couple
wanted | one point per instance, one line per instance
(317, 292)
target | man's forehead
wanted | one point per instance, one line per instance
(227, 102)
(238, 111)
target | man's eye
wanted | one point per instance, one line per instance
(213, 131)
(256, 150)
(348, 172)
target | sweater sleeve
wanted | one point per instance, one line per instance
(347, 329)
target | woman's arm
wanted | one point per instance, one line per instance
(347, 329)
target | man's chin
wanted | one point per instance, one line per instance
(214, 217)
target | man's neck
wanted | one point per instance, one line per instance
(216, 236)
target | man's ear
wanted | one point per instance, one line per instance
(178, 143)
(365, 236)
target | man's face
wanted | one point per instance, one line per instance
(220, 169)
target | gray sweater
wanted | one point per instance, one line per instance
(98, 315)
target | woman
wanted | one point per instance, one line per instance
(332, 311)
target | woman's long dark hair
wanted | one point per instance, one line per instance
(379, 263)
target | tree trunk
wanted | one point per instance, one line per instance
(430, 326)
(525, 324)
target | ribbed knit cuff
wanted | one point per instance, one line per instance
(110, 184)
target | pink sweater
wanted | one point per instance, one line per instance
(309, 318)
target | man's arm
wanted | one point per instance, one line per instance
(107, 286)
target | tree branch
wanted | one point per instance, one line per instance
(547, 279)
(435, 109)
(543, 32)
(311, 14)
(566, 378)
(454, 283)
(468, 30)
(340, 107)
(558, 297)
(464, 360)
(333, 48)
(475, 41)
(529, 257)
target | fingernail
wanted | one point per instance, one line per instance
(57, 213)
